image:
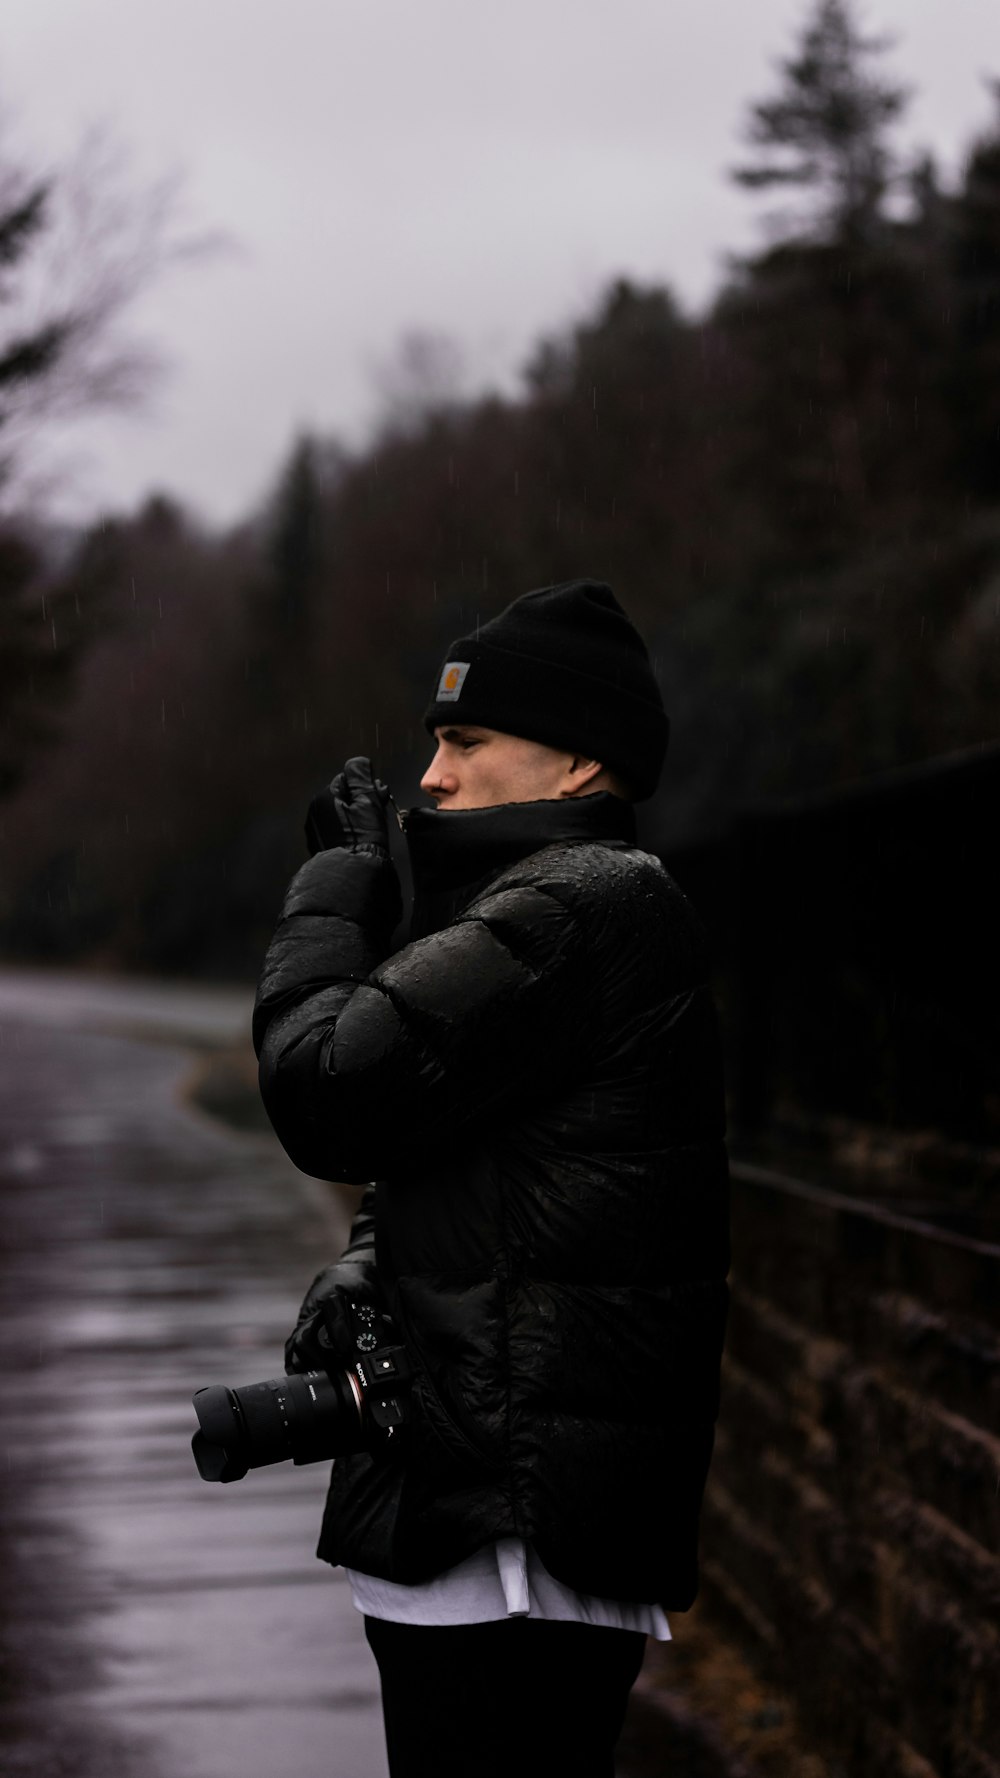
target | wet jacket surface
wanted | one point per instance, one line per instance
(536, 1086)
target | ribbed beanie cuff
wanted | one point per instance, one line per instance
(562, 665)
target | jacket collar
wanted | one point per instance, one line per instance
(451, 848)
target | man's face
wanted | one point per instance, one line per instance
(477, 768)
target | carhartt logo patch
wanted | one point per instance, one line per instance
(452, 680)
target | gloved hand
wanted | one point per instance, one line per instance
(324, 1337)
(350, 812)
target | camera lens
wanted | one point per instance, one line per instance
(220, 1444)
(305, 1418)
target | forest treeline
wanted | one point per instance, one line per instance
(795, 493)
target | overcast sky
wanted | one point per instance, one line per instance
(481, 170)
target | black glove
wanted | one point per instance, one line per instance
(350, 812)
(324, 1337)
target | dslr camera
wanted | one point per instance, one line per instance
(309, 1417)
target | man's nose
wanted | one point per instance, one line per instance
(436, 780)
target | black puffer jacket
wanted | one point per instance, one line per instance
(537, 1088)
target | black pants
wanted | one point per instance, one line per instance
(520, 1698)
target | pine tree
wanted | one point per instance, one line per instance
(37, 650)
(825, 131)
(841, 328)
(75, 248)
(295, 545)
(283, 604)
(976, 264)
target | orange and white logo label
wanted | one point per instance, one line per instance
(452, 680)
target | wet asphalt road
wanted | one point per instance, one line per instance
(152, 1625)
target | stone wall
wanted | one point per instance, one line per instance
(852, 1522)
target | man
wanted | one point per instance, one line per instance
(534, 1081)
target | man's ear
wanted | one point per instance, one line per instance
(582, 770)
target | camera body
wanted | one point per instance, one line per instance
(311, 1416)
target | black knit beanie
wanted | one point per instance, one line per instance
(562, 665)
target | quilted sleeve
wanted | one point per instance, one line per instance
(363, 1071)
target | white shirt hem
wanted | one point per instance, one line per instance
(504, 1579)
